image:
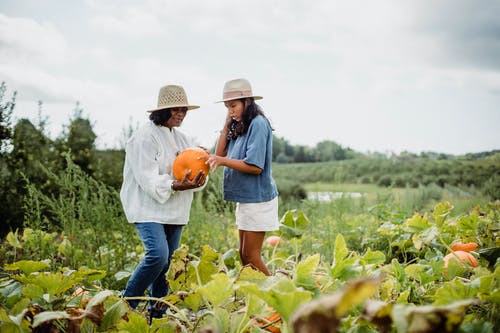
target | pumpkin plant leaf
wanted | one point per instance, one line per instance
(303, 276)
(441, 212)
(135, 323)
(46, 316)
(218, 289)
(27, 266)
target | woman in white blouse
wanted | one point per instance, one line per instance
(152, 199)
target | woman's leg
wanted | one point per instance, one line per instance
(173, 233)
(154, 261)
(251, 249)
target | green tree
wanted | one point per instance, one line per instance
(79, 139)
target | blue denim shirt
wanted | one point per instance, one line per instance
(254, 147)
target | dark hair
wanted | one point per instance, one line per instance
(239, 128)
(160, 117)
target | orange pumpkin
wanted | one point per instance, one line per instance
(190, 159)
(271, 322)
(461, 257)
(467, 247)
(273, 241)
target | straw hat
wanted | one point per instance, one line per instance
(236, 89)
(172, 96)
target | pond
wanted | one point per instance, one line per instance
(330, 196)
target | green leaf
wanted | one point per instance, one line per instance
(454, 290)
(293, 224)
(340, 250)
(278, 292)
(45, 316)
(52, 283)
(113, 315)
(27, 266)
(303, 276)
(418, 222)
(136, 323)
(91, 274)
(441, 212)
(218, 289)
(372, 258)
(33, 291)
(207, 266)
(13, 240)
(99, 298)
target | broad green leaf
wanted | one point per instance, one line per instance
(178, 275)
(303, 276)
(52, 283)
(33, 291)
(280, 293)
(249, 274)
(113, 315)
(441, 212)
(91, 274)
(418, 222)
(454, 290)
(13, 240)
(136, 323)
(20, 306)
(207, 266)
(45, 316)
(340, 250)
(99, 298)
(372, 258)
(230, 258)
(65, 247)
(414, 270)
(355, 292)
(193, 300)
(27, 266)
(218, 289)
(222, 320)
(293, 224)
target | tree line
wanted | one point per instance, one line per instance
(28, 155)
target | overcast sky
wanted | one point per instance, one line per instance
(370, 75)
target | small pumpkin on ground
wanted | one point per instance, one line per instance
(190, 159)
(460, 257)
(467, 247)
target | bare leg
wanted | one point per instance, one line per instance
(251, 249)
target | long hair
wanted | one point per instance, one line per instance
(237, 128)
(160, 117)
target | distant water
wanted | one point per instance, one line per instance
(330, 196)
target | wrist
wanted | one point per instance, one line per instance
(172, 186)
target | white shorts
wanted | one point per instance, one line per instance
(259, 216)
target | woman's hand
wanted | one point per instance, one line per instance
(214, 161)
(186, 184)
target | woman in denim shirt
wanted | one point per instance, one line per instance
(244, 148)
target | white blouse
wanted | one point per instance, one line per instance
(146, 192)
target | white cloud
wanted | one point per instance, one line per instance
(23, 41)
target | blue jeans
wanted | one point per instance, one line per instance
(160, 241)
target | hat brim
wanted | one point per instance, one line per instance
(189, 107)
(238, 97)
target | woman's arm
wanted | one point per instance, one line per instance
(215, 161)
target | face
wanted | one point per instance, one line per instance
(235, 109)
(177, 116)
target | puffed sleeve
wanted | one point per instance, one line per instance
(143, 153)
(257, 143)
